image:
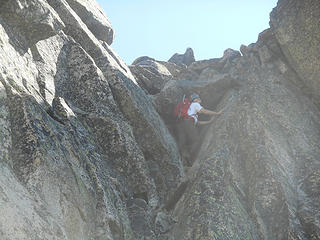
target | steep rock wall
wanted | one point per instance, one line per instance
(85, 148)
(83, 151)
(256, 173)
(296, 25)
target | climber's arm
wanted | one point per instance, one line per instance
(209, 112)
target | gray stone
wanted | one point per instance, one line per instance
(188, 75)
(76, 28)
(297, 28)
(153, 137)
(4, 126)
(141, 220)
(33, 20)
(62, 110)
(246, 167)
(64, 166)
(86, 89)
(187, 58)
(151, 81)
(155, 67)
(230, 54)
(150, 74)
(163, 223)
(94, 17)
(173, 68)
(140, 59)
(208, 73)
(85, 152)
(148, 128)
(199, 66)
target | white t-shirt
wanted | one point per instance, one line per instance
(193, 110)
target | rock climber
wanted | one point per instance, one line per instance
(188, 129)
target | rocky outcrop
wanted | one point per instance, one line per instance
(150, 74)
(134, 104)
(87, 143)
(186, 59)
(245, 181)
(296, 26)
(207, 69)
(251, 177)
(80, 140)
(95, 19)
(29, 22)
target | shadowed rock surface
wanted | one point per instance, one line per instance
(87, 143)
(185, 59)
(296, 26)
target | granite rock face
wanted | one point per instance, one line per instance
(296, 26)
(29, 21)
(150, 74)
(186, 59)
(251, 175)
(87, 143)
(94, 17)
(80, 140)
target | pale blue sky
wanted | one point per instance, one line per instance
(159, 29)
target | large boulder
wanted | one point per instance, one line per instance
(94, 17)
(173, 68)
(142, 59)
(296, 26)
(100, 51)
(155, 67)
(187, 58)
(150, 74)
(32, 21)
(199, 66)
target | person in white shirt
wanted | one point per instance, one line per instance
(188, 132)
(196, 108)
